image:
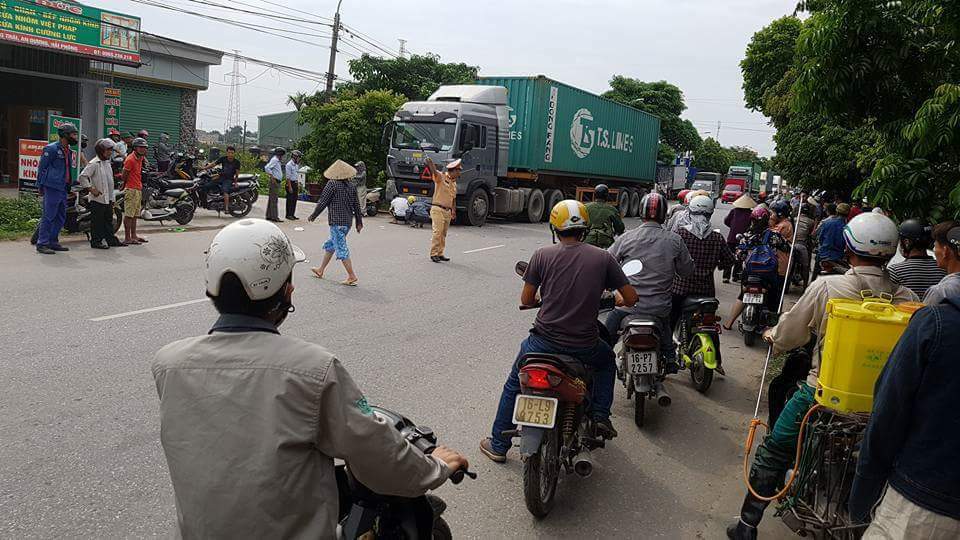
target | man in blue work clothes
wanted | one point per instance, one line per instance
(54, 177)
(830, 238)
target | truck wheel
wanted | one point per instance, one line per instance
(478, 206)
(552, 197)
(634, 203)
(535, 206)
(623, 202)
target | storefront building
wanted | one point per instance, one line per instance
(60, 59)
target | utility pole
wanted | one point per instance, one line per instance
(718, 131)
(333, 51)
(243, 136)
(403, 47)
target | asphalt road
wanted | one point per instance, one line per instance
(80, 453)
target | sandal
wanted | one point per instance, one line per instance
(317, 272)
(350, 282)
(142, 240)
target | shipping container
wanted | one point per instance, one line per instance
(556, 128)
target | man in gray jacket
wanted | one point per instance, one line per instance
(251, 421)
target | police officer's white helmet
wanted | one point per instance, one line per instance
(258, 252)
(871, 235)
(701, 204)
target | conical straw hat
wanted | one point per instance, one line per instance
(745, 201)
(340, 170)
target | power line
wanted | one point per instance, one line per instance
(271, 16)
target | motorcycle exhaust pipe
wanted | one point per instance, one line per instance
(582, 464)
(663, 398)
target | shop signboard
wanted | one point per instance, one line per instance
(111, 110)
(53, 124)
(28, 163)
(71, 28)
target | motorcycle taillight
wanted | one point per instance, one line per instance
(709, 319)
(540, 379)
(754, 290)
(640, 341)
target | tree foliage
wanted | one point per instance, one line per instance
(663, 100)
(415, 77)
(769, 57)
(349, 128)
(712, 157)
(893, 66)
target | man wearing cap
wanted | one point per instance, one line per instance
(444, 206)
(54, 176)
(946, 247)
(340, 198)
(97, 177)
(119, 147)
(128, 138)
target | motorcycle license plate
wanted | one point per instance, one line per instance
(535, 411)
(752, 298)
(642, 362)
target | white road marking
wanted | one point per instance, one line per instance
(148, 310)
(484, 249)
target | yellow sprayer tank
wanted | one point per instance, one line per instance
(860, 336)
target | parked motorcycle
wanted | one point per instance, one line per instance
(752, 321)
(165, 199)
(368, 515)
(372, 199)
(551, 414)
(699, 340)
(78, 215)
(207, 194)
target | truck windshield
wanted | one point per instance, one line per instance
(423, 136)
(702, 184)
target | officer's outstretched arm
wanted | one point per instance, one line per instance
(375, 452)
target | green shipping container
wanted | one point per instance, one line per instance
(556, 128)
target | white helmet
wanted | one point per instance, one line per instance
(871, 235)
(701, 204)
(256, 251)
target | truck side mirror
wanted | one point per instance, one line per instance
(385, 135)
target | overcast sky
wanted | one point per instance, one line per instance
(695, 44)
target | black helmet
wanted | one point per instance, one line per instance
(781, 208)
(139, 142)
(914, 229)
(66, 129)
(601, 192)
(279, 150)
(653, 206)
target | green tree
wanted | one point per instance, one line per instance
(769, 56)
(664, 101)
(743, 153)
(415, 77)
(895, 67)
(349, 128)
(712, 157)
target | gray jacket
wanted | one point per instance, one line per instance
(948, 286)
(250, 422)
(664, 256)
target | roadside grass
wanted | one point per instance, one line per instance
(18, 217)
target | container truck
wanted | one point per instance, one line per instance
(526, 144)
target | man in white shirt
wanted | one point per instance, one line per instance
(97, 178)
(274, 170)
(292, 172)
(399, 206)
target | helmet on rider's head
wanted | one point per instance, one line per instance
(781, 208)
(297, 154)
(279, 150)
(762, 196)
(66, 129)
(568, 215)
(701, 205)
(653, 206)
(601, 192)
(871, 235)
(411, 199)
(695, 193)
(257, 252)
(914, 229)
(760, 213)
(682, 196)
(139, 142)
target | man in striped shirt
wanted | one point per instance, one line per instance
(919, 271)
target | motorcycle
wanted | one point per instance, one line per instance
(640, 367)
(368, 515)
(78, 215)
(752, 322)
(206, 193)
(372, 200)
(699, 340)
(550, 412)
(165, 199)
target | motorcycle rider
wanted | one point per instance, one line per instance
(681, 217)
(229, 173)
(571, 277)
(871, 240)
(946, 238)
(664, 255)
(918, 271)
(709, 251)
(830, 239)
(605, 221)
(759, 222)
(251, 420)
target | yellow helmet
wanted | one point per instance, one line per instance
(411, 199)
(569, 214)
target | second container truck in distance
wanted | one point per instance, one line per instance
(526, 144)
